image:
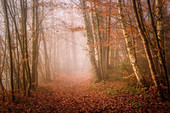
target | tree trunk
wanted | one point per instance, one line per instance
(47, 66)
(8, 36)
(89, 37)
(143, 34)
(159, 37)
(34, 43)
(130, 48)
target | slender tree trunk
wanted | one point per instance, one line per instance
(159, 37)
(34, 43)
(130, 48)
(8, 36)
(26, 66)
(100, 47)
(143, 33)
(109, 33)
(47, 66)
(89, 38)
(1, 71)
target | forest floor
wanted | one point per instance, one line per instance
(78, 94)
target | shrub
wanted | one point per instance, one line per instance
(126, 67)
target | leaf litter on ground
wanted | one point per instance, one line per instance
(71, 94)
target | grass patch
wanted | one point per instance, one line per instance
(132, 90)
(111, 88)
(115, 77)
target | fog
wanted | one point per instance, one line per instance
(66, 43)
(62, 47)
(84, 56)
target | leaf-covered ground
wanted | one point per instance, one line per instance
(78, 94)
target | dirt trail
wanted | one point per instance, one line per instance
(74, 94)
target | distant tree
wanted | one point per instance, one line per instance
(8, 36)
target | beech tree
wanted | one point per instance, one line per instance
(130, 47)
(98, 26)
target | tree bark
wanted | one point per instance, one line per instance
(8, 36)
(159, 37)
(143, 34)
(130, 48)
(89, 38)
(34, 43)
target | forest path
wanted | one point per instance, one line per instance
(74, 94)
